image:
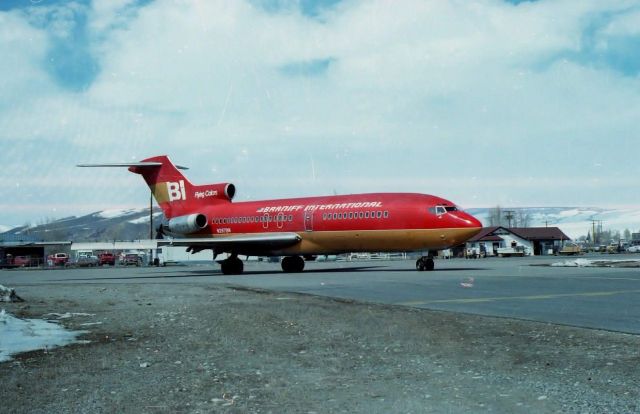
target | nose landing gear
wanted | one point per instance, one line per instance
(424, 263)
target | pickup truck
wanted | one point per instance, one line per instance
(58, 259)
(511, 251)
(107, 258)
(570, 250)
(132, 259)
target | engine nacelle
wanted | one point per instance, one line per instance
(190, 223)
(222, 191)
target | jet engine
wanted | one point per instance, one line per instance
(221, 191)
(190, 223)
(229, 191)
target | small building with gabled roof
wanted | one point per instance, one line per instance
(536, 241)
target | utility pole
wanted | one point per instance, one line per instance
(151, 226)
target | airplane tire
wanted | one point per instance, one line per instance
(292, 264)
(429, 265)
(232, 266)
(425, 263)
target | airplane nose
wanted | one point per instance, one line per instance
(473, 222)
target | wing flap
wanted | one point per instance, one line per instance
(240, 242)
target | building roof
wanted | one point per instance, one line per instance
(539, 233)
(527, 233)
(486, 234)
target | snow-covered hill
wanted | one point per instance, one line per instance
(121, 224)
(573, 221)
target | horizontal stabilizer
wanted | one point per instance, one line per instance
(131, 164)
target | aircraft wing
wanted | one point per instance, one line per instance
(237, 243)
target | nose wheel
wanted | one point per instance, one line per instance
(425, 263)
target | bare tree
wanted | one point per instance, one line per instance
(495, 216)
(523, 218)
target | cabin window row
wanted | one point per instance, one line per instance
(356, 215)
(252, 219)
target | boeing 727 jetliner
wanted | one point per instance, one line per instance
(204, 217)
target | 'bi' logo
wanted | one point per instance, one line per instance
(176, 191)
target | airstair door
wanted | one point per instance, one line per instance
(308, 221)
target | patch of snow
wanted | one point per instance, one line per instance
(598, 263)
(67, 315)
(569, 213)
(574, 263)
(143, 219)
(9, 295)
(5, 228)
(118, 212)
(91, 323)
(23, 335)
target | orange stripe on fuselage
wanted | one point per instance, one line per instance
(326, 242)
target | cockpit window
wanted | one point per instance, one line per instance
(438, 210)
(450, 208)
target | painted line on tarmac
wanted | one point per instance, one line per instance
(530, 297)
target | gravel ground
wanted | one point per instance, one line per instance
(163, 348)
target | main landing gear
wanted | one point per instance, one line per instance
(232, 265)
(424, 263)
(292, 264)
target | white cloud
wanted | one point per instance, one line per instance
(414, 93)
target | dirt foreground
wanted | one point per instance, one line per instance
(162, 348)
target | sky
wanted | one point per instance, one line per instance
(483, 102)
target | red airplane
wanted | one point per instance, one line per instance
(204, 217)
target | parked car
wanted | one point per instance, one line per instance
(107, 258)
(132, 259)
(58, 259)
(633, 249)
(87, 261)
(22, 261)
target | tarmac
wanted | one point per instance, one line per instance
(521, 288)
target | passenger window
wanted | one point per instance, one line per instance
(379, 214)
(386, 214)
(361, 214)
(335, 216)
(366, 214)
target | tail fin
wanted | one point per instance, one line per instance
(168, 185)
(173, 192)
